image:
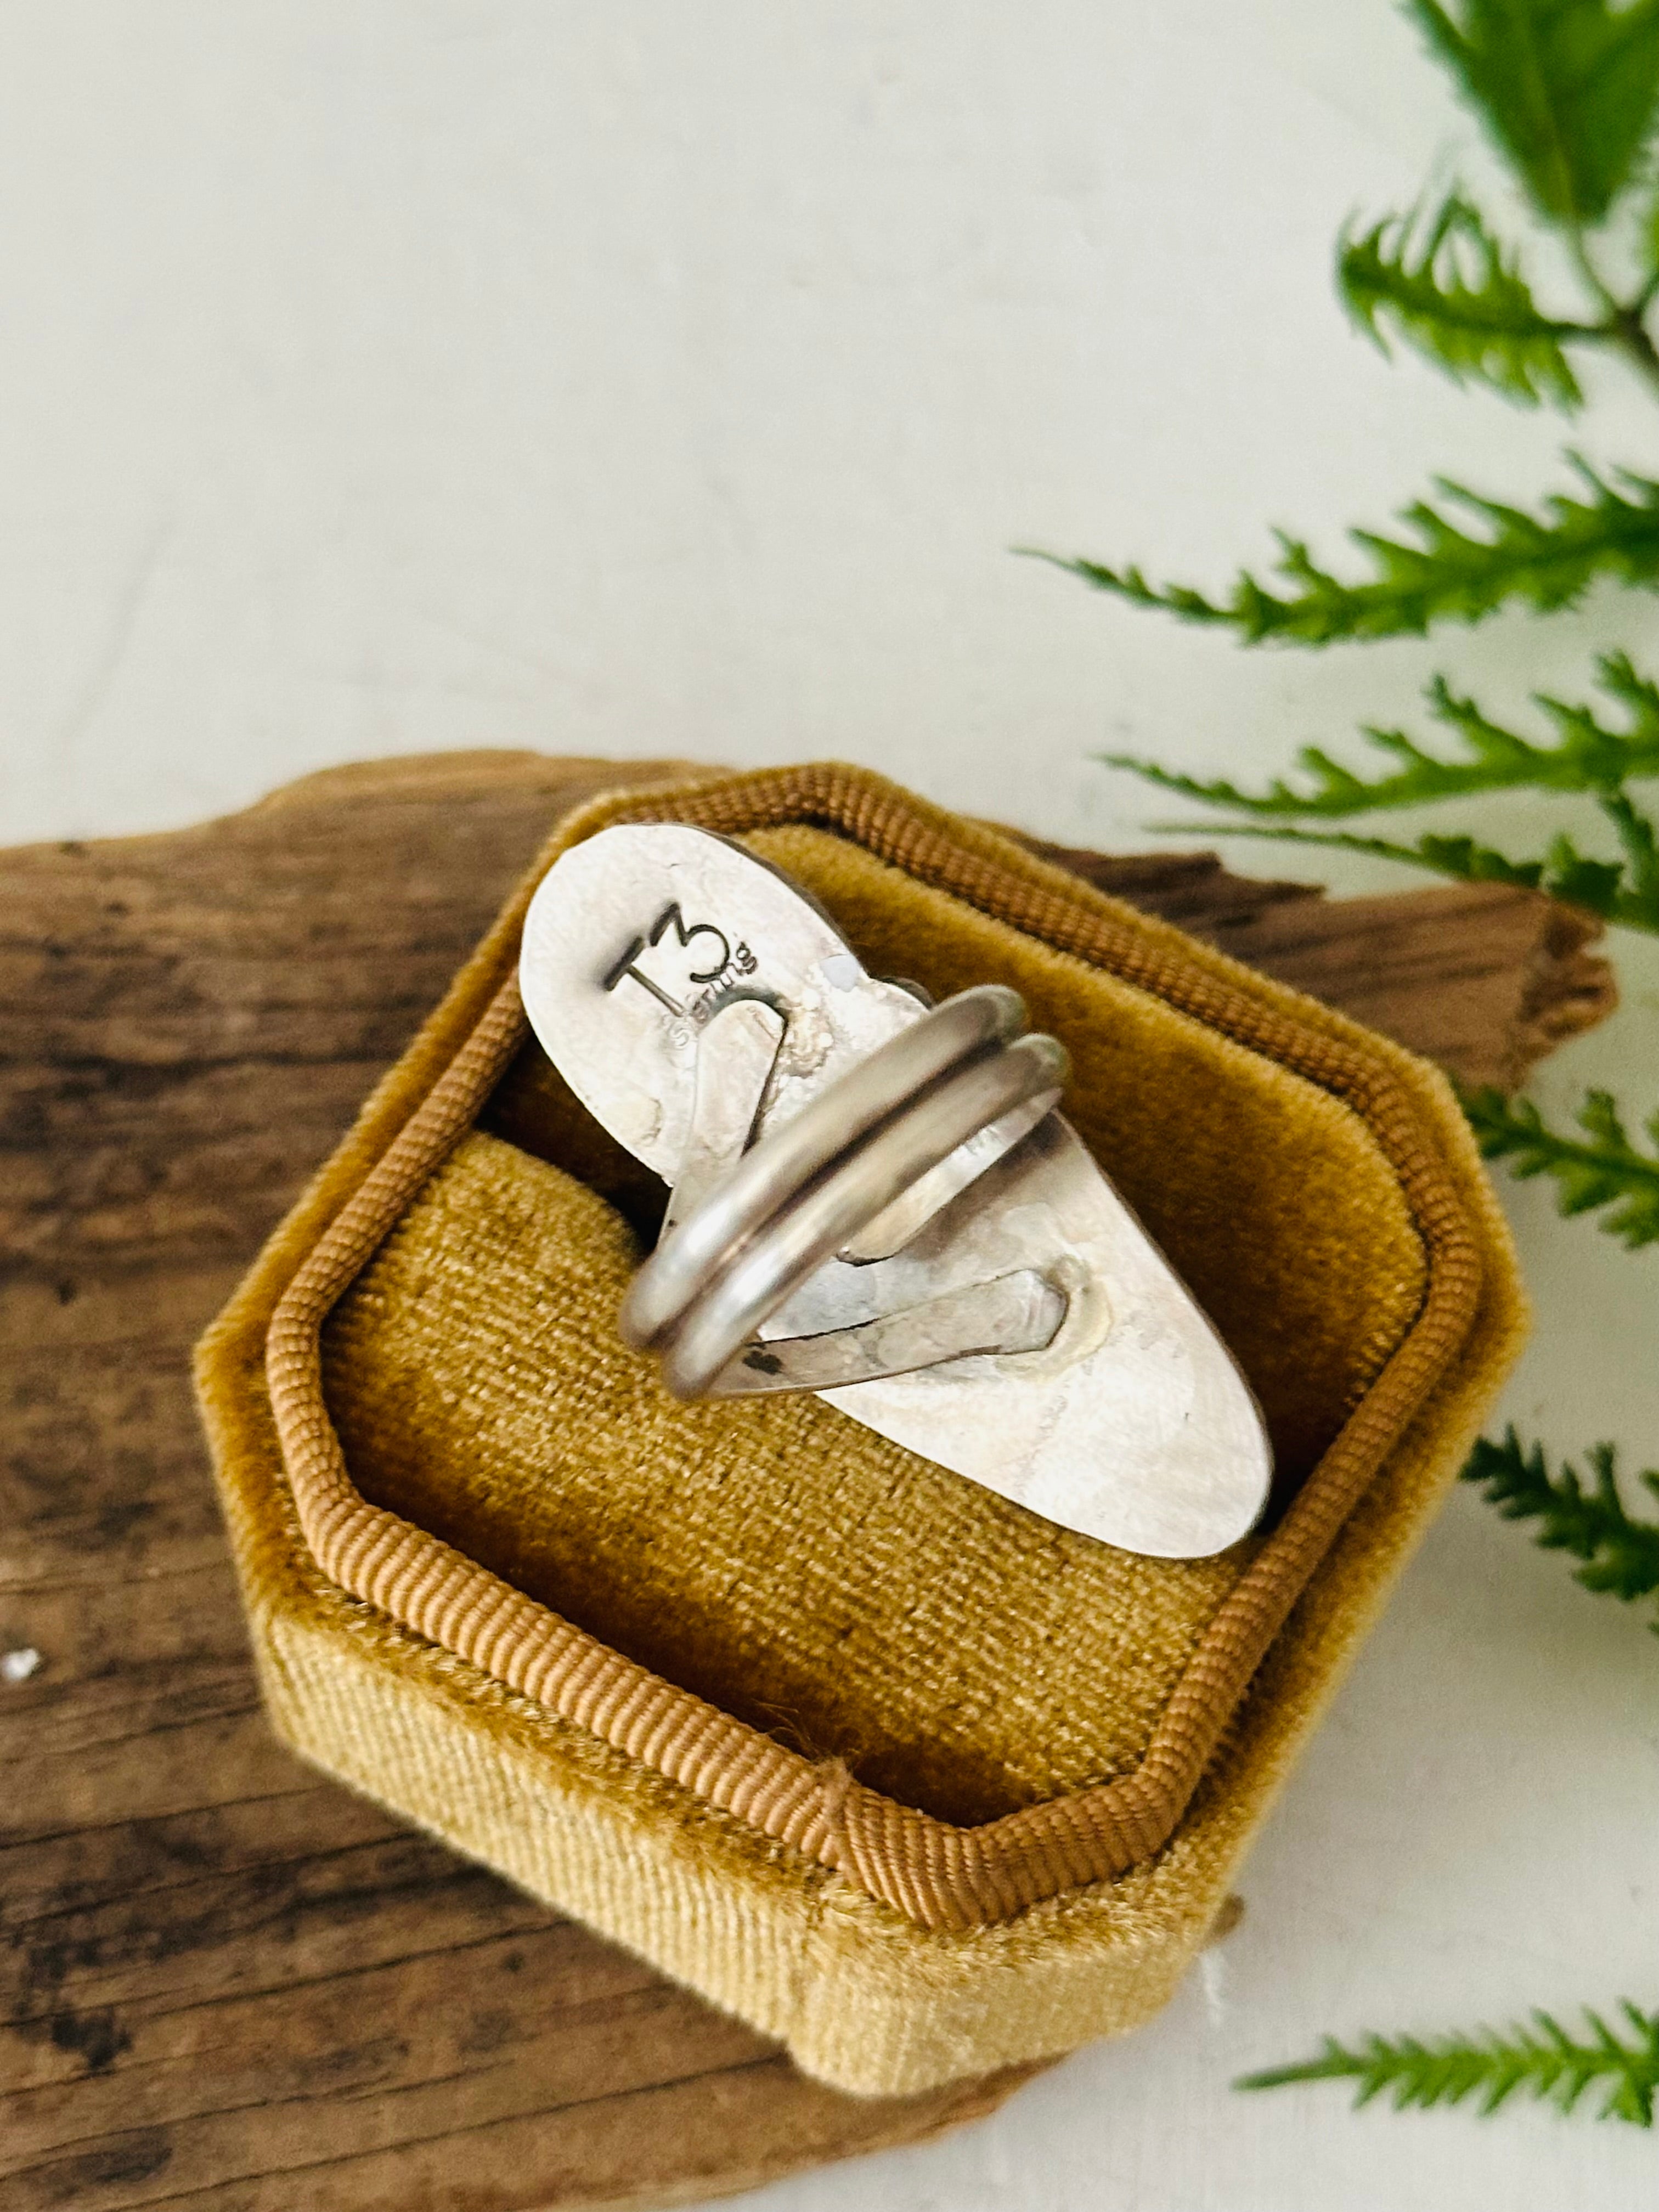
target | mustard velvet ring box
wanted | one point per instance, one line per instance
(903, 1774)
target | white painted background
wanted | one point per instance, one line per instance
(661, 376)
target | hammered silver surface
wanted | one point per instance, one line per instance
(1133, 1425)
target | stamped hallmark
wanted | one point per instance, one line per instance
(734, 961)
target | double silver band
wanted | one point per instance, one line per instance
(807, 1189)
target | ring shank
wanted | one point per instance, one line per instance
(742, 1203)
(803, 1235)
(805, 1191)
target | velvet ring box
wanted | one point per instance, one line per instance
(900, 1774)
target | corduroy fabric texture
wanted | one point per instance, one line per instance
(780, 1700)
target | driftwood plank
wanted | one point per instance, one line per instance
(1482, 977)
(227, 1984)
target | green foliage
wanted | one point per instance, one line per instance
(1603, 1169)
(1621, 1554)
(1569, 91)
(1586, 756)
(1637, 902)
(1441, 572)
(1607, 888)
(1448, 289)
(1544, 2061)
(1567, 88)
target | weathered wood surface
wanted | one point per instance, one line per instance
(227, 1985)
(1481, 977)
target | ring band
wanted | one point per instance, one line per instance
(797, 1240)
(801, 1194)
(774, 1171)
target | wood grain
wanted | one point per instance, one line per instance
(1482, 977)
(228, 1983)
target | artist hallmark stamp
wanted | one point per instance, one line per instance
(715, 962)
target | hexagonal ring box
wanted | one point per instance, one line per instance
(899, 1770)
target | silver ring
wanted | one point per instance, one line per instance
(804, 1234)
(744, 1200)
(817, 1217)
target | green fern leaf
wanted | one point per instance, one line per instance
(1621, 1553)
(1442, 573)
(1603, 1169)
(1567, 86)
(1636, 835)
(1577, 880)
(1586, 756)
(1445, 287)
(1602, 886)
(1544, 2061)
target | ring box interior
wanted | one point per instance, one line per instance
(902, 1774)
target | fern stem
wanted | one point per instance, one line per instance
(1624, 331)
(1629, 333)
(1456, 561)
(1622, 326)
(1602, 1172)
(1620, 1555)
(1566, 874)
(1543, 2060)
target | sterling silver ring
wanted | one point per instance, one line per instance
(774, 1170)
(807, 1190)
(877, 1202)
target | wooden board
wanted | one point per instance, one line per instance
(1481, 977)
(227, 1982)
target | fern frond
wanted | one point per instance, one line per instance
(1543, 2060)
(1564, 873)
(1601, 1169)
(1636, 833)
(1567, 88)
(1443, 284)
(1443, 573)
(1621, 1553)
(1586, 756)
